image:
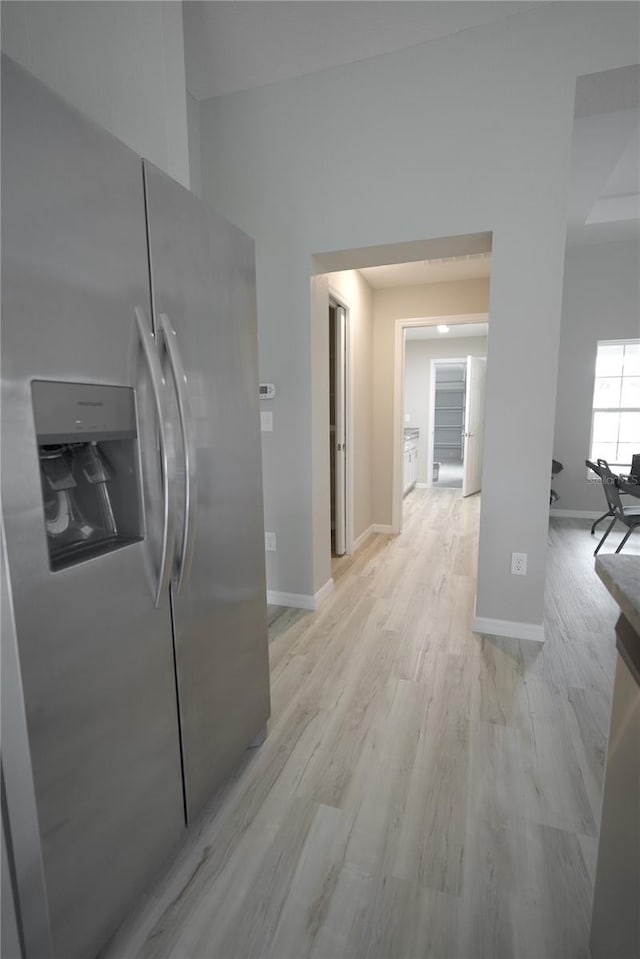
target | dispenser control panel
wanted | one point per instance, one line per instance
(82, 411)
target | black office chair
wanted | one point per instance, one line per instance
(628, 515)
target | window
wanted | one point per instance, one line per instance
(615, 429)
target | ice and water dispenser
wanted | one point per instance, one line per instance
(87, 446)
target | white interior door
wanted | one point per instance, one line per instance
(474, 425)
(340, 438)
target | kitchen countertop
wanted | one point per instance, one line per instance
(621, 576)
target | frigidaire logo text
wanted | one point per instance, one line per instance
(90, 403)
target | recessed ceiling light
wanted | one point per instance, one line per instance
(442, 328)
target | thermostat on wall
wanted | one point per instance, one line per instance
(267, 391)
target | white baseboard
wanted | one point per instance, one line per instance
(373, 529)
(300, 600)
(362, 539)
(503, 627)
(576, 513)
(422, 486)
(323, 592)
(297, 600)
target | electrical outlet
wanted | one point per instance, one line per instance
(518, 564)
(270, 542)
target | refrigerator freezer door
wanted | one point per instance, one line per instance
(95, 654)
(203, 279)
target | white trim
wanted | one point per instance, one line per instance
(422, 486)
(339, 300)
(431, 425)
(503, 627)
(300, 600)
(397, 481)
(575, 513)
(362, 538)
(398, 398)
(323, 592)
(349, 401)
(374, 529)
(297, 600)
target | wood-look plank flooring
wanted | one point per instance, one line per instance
(423, 791)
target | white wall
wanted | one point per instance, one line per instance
(465, 134)
(121, 63)
(417, 382)
(403, 303)
(601, 302)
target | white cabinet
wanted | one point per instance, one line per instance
(410, 468)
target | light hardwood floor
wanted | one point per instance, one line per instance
(423, 791)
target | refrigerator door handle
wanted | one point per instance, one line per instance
(188, 446)
(149, 349)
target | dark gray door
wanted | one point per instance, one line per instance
(95, 653)
(203, 290)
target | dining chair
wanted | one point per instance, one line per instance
(597, 471)
(629, 516)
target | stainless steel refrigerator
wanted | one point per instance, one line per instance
(132, 503)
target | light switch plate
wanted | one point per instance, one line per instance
(266, 421)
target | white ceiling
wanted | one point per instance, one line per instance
(604, 193)
(455, 331)
(232, 46)
(445, 270)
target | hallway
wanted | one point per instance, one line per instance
(423, 791)
(449, 476)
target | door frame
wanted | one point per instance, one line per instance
(337, 299)
(398, 398)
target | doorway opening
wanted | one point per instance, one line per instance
(446, 443)
(378, 287)
(442, 373)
